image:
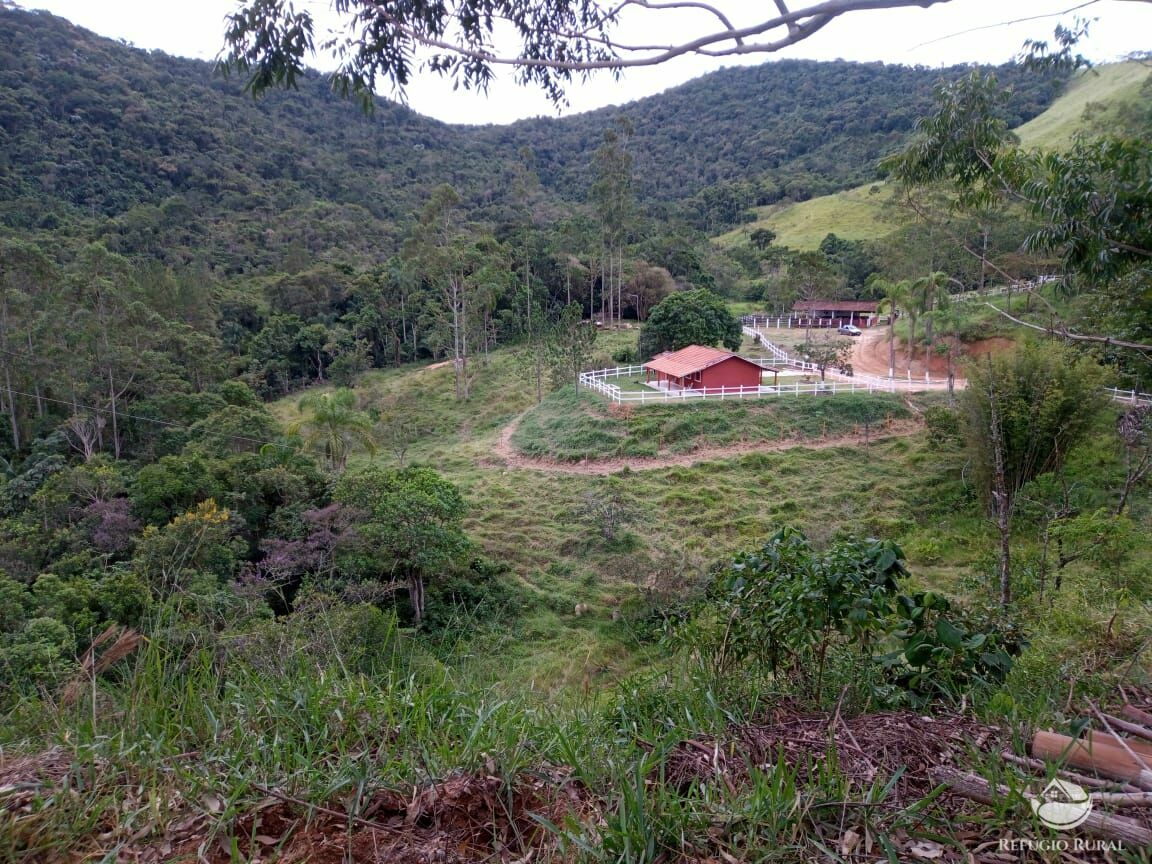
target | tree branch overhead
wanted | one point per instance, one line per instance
(269, 42)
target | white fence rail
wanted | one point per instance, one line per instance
(1132, 397)
(791, 322)
(841, 383)
(891, 385)
(598, 380)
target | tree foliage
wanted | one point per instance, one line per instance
(1024, 412)
(413, 526)
(686, 318)
(335, 425)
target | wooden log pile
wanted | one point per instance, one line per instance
(1113, 762)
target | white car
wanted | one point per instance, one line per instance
(849, 330)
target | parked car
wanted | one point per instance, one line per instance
(850, 330)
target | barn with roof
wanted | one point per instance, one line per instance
(700, 368)
(833, 313)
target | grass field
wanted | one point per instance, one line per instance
(860, 214)
(854, 214)
(1102, 89)
(687, 517)
(572, 426)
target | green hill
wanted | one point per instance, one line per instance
(1101, 91)
(160, 155)
(859, 213)
(854, 214)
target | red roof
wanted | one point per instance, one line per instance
(693, 359)
(835, 306)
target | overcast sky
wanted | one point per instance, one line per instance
(957, 32)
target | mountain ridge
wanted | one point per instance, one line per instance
(96, 136)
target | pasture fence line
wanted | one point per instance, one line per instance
(1131, 397)
(891, 385)
(598, 380)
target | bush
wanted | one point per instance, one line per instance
(791, 609)
(944, 429)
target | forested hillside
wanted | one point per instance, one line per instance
(170, 151)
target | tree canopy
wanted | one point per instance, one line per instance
(686, 318)
(268, 40)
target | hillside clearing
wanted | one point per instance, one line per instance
(861, 213)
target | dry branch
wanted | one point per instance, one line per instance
(1082, 779)
(1130, 728)
(1103, 825)
(1142, 749)
(1135, 714)
(1107, 759)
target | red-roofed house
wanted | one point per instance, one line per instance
(700, 368)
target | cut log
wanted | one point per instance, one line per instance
(1131, 728)
(1081, 779)
(1103, 825)
(1136, 715)
(1109, 759)
(1122, 799)
(1143, 749)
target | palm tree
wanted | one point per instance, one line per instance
(947, 315)
(929, 291)
(335, 425)
(894, 295)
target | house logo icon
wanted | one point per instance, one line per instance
(1062, 805)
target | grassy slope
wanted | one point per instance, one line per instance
(858, 214)
(549, 688)
(688, 517)
(570, 426)
(854, 214)
(1116, 83)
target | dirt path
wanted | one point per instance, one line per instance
(505, 455)
(870, 357)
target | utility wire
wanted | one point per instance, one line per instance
(1004, 24)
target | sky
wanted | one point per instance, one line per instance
(961, 31)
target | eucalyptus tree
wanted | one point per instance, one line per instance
(466, 275)
(25, 273)
(615, 205)
(271, 41)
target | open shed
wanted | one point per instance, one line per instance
(833, 313)
(698, 367)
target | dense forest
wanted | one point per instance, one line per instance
(94, 128)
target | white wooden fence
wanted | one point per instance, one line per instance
(598, 380)
(890, 385)
(1132, 397)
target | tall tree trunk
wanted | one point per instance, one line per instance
(115, 416)
(416, 596)
(1001, 499)
(11, 404)
(892, 343)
